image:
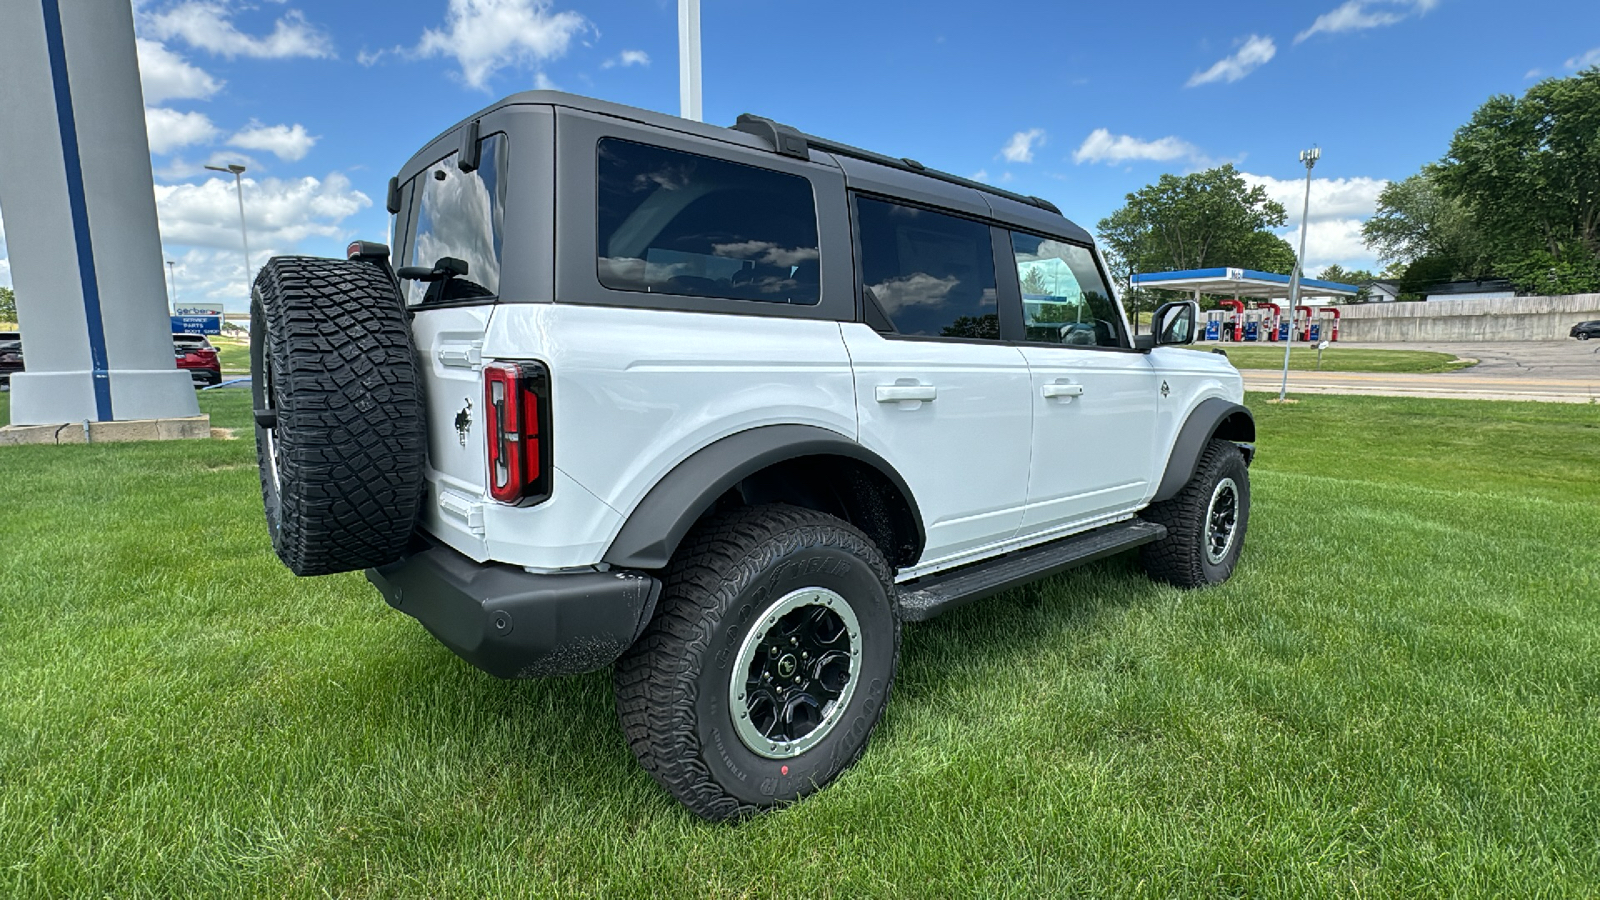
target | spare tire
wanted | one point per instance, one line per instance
(341, 432)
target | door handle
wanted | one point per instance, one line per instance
(894, 393)
(1062, 390)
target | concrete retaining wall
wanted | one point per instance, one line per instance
(1507, 319)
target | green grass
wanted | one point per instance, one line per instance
(1339, 359)
(1397, 695)
(234, 353)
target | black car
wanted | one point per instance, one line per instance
(1585, 330)
(10, 356)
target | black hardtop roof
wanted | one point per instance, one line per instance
(761, 133)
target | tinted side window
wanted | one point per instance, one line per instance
(1064, 299)
(930, 273)
(681, 223)
(461, 214)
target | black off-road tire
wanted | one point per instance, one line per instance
(341, 437)
(1185, 558)
(673, 686)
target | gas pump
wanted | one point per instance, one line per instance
(1333, 328)
(1302, 322)
(1274, 323)
(1233, 325)
(1213, 324)
(1252, 324)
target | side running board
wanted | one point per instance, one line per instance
(928, 597)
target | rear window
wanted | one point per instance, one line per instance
(681, 223)
(461, 215)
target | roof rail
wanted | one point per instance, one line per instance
(790, 141)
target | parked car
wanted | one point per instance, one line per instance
(10, 357)
(195, 353)
(724, 407)
(1585, 330)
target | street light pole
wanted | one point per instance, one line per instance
(689, 59)
(172, 286)
(244, 238)
(1309, 157)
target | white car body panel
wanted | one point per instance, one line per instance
(633, 393)
(964, 454)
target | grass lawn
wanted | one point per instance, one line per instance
(234, 353)
(1398, 694)
(1337, 359)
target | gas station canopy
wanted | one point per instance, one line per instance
(1240, 283)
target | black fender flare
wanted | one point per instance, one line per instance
(655, 527)
(1213, 417)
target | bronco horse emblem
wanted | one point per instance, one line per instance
(464, 422)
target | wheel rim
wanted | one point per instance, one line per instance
(795, 673)
(270, 400)
(1222, 520)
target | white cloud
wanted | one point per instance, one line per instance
(1339, 206)
(1255, 52)
(485, 36)
(1103, 146)
(208, 25)
(170, 129)
(167, 76)
(1592, 58)
(1333, 241)
(287, 142)
(370, 57)
(1356, 15)
(179, 168)
(980, 175)
(277, 212)
(1020, 148)
(1331, 198)
(627, 58)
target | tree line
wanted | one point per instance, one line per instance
(1517, 196)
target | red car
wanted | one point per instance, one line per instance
(196, 354)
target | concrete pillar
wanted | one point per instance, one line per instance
(80, 213)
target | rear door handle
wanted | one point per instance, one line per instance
(1062, 390)
(894, 393)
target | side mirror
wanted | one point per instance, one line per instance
(1175, 323)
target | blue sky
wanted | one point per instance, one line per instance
(1079, 103)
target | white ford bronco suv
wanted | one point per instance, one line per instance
(723, 407)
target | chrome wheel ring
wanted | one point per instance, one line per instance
(795, 673)
(1222, 521)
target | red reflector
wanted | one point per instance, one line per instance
(517, 455)
(352, 251)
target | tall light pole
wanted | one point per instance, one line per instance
(172, 286)
(1309, 157)
(689, 59)
(238, 183)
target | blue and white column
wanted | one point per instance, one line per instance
(79, 205)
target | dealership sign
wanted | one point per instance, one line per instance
(197, 324)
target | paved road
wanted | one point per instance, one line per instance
(1551, 371)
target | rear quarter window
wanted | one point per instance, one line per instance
(681, 223)
(461, 215)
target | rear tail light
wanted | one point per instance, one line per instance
(517, 398)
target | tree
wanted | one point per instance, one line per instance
(8, 305)
(1204, 220)
(1416, 218)
(1034, 282)
(1361, 278)
(1528, 172)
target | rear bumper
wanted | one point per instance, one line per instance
(515, 624)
